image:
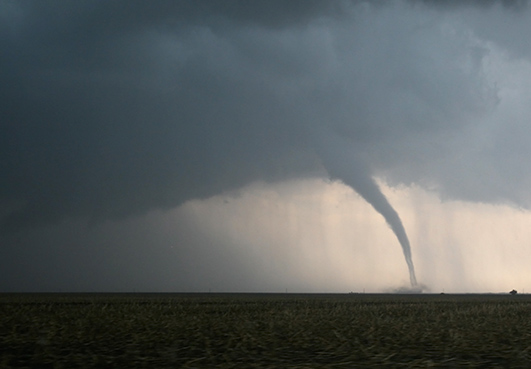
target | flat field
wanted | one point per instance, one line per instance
(264, 331)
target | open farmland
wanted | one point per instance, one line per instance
(264, 331)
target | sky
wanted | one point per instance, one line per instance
(265, 146)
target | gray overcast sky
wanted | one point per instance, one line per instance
(112, 110)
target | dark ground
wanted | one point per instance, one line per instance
(264, 331)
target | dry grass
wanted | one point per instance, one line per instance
(264, 331)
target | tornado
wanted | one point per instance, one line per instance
(341, 162)
(367, 188)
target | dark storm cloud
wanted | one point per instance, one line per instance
(92, 127)
(504, 22)
(511, 4)
(115, 108)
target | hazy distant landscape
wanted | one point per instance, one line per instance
(264, 330)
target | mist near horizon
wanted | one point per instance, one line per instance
(203, 145)
(270, 238)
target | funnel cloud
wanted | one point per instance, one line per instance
(347, 168)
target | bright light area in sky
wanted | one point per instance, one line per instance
(312, 236)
